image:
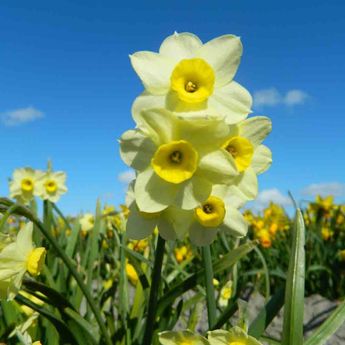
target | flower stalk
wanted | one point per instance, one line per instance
(211, 302)
(155, 283)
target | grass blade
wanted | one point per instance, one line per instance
(329, 327)
(294, 291)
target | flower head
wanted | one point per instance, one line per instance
(23, 185)
(185, 337)
(87, 222)
(218, 213)
(193, 79)
(225, 294)
(51, 185)
(177, 161)
(235, 336)
(16, 259)
(251, 158)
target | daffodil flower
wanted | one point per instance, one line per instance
(87, 222)
(185, 337)
(225, 294)
(16, 259)
(218, 213)
(177, 161)
(193, 79)
(235, 336)
(23, 185)
(51, 185)
(251, 157)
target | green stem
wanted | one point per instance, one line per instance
(211, 302)
(267, 274)
(69, 263)
(155, 283)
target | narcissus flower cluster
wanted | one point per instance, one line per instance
(26, 183)
(235, 336)
(195, 152)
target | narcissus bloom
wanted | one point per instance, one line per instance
(193, 79)
(23, 185)
(177, 161)
(87, 222)
(51, 185)
(132, 274)
(181, 338)
(218, 213)
(225, 294)
(16, 259)
(235, 336)
(251, 157)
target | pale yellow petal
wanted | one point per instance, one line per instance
(232, 101)
(138, 227)
(223, 54)
(218, 167)
(180, 46)
(200, 235)
(154, 70)
(255, 129)
(136, 149)
(153, 194)
(262, 159)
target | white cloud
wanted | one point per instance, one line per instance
(271, 195)
(266, 97)
(20, 116)
(126, 177)
(272, 97)
(295, 97)
(336, 189)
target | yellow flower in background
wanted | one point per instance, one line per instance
(132, 274)
(185, 337)
(193, 79)
(326, 233)
(235, 336)
(16, 259)
(264, 238)
(273, 229)
(225, 294)
(215, 282)
(326, 203)
(87, 222)
(23, 185)
(125, 211)
(177, 161)
(113, 219)
(183, 253)
(51, 185)
(138, 245)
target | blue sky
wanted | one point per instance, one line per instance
(65, 64)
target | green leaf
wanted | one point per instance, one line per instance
(220, 265)
(267, 314)
(294, 291)
(329, 327)
(66, 335)
(80, 326)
